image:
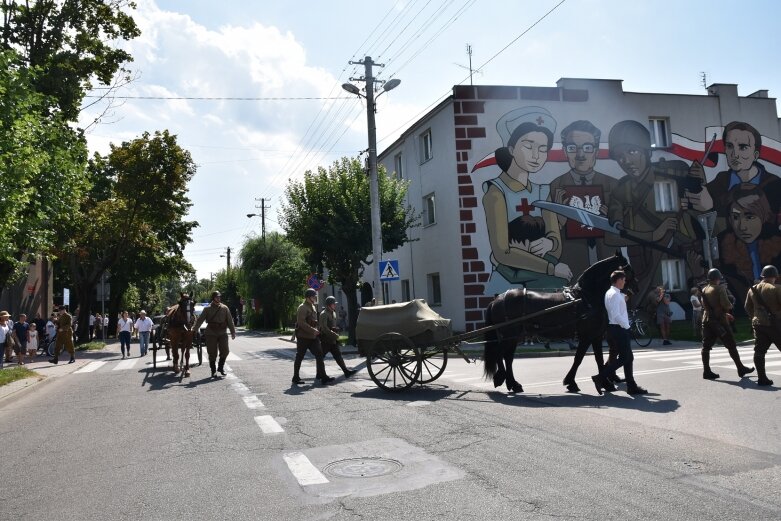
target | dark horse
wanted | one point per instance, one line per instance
(587, 319)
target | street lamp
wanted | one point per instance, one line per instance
(374, 185)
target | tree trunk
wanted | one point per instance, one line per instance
(84, 292)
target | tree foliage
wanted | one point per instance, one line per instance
(42, 165)
(132, 221)
(328, 213)
(72, 43)
(273, 272)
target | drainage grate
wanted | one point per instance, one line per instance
(363, 467)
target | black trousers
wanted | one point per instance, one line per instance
(313, 346)
(619, 337)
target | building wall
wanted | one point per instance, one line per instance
(32, 294)
(476, 122)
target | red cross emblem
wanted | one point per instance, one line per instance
(525, 208)
(540, 121)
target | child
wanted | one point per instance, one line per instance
(32, 340)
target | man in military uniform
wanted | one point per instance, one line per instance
(329, 335)
(218, 320)
(633, 206)
(763, 305)
(307, 337)
(64, 335)
(716, 325)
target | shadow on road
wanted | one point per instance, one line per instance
(617, 400)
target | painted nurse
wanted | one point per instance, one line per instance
(525, 241)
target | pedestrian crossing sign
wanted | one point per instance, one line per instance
(389, 270)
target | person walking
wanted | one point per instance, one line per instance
(143, 326)
(64, 339)
(329, 335)
(92, 319)
(5, 334)
(664, 318)
(124, 328)
(618, 333)
(218, 320)
(21, 328)
(696, 302)
(763, 305)
(307, 338)
(716, 320)
(51, 329)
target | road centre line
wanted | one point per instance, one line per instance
(252, 402)
(268, 424)
(125, 364)
(303, 470)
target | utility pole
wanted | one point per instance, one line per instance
(469, 52)
(263, 208)
(374, 185)
(228, 255)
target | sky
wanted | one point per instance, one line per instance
(291, 59)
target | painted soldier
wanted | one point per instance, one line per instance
(307, 338)
(716, 320)
(763, 305)
(218, 320)
(329, 335)
(633, 206)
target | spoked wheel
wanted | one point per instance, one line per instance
(641, 332)
(394, 362)
(432, 364)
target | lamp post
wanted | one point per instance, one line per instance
(374, 184)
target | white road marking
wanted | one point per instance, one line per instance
(419, 403)
(232, 357)
(241, 388)
(268, 425)
(125, 364)
(303, 470)
(772, 364)
(252, 402)
(92, 366)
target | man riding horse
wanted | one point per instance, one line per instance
(180, 318)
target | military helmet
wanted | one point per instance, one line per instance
(330, 300)
(216, 294)
(769, 271)
(714, 274)
(310, 293)
(628, 132)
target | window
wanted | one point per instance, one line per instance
(429, 210)
(398, 166)
(673, 275)
(405, 295)
(659, 137)
(426, 152)
(665, 196)
(434, 292)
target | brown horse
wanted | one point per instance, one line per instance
(180, 319)
(587, 318)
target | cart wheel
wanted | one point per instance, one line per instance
(394, 362)
(432, 364)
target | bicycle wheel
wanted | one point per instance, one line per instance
(50, 346)
(641, 332)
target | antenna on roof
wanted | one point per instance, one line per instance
(704, 79)
(469, 53)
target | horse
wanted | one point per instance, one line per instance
(180, 319)
(587, 319)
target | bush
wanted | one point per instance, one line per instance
(254, 321)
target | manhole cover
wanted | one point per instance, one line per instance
(363, 467)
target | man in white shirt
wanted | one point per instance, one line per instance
(618, 333)
(143, 326)
(91, 326)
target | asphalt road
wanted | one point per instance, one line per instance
(115, 440)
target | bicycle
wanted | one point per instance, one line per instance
(639, 329)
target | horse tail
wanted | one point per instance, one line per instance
(491, 353)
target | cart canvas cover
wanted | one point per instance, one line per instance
(413, 319)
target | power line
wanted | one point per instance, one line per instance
(219, 98)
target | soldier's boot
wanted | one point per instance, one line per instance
(221, 365)
(707, 374)
(759, 362)
(296, 369)
(213, 367)
(742, 369)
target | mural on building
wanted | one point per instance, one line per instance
(545, 226)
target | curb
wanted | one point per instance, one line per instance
(23, 388)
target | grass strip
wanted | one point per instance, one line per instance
(12, 374)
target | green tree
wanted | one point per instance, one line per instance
(72, 43)
(42, 165)
(273, 272)
(328, 213)
(133, 217)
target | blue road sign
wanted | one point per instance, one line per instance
(389, 270)
(314, 282)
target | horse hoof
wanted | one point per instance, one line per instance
(187, 373)
(499, 379)
(515, 387)
(573, 388)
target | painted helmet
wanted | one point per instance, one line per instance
(714, 274)
(769, 271)
(628, 132)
